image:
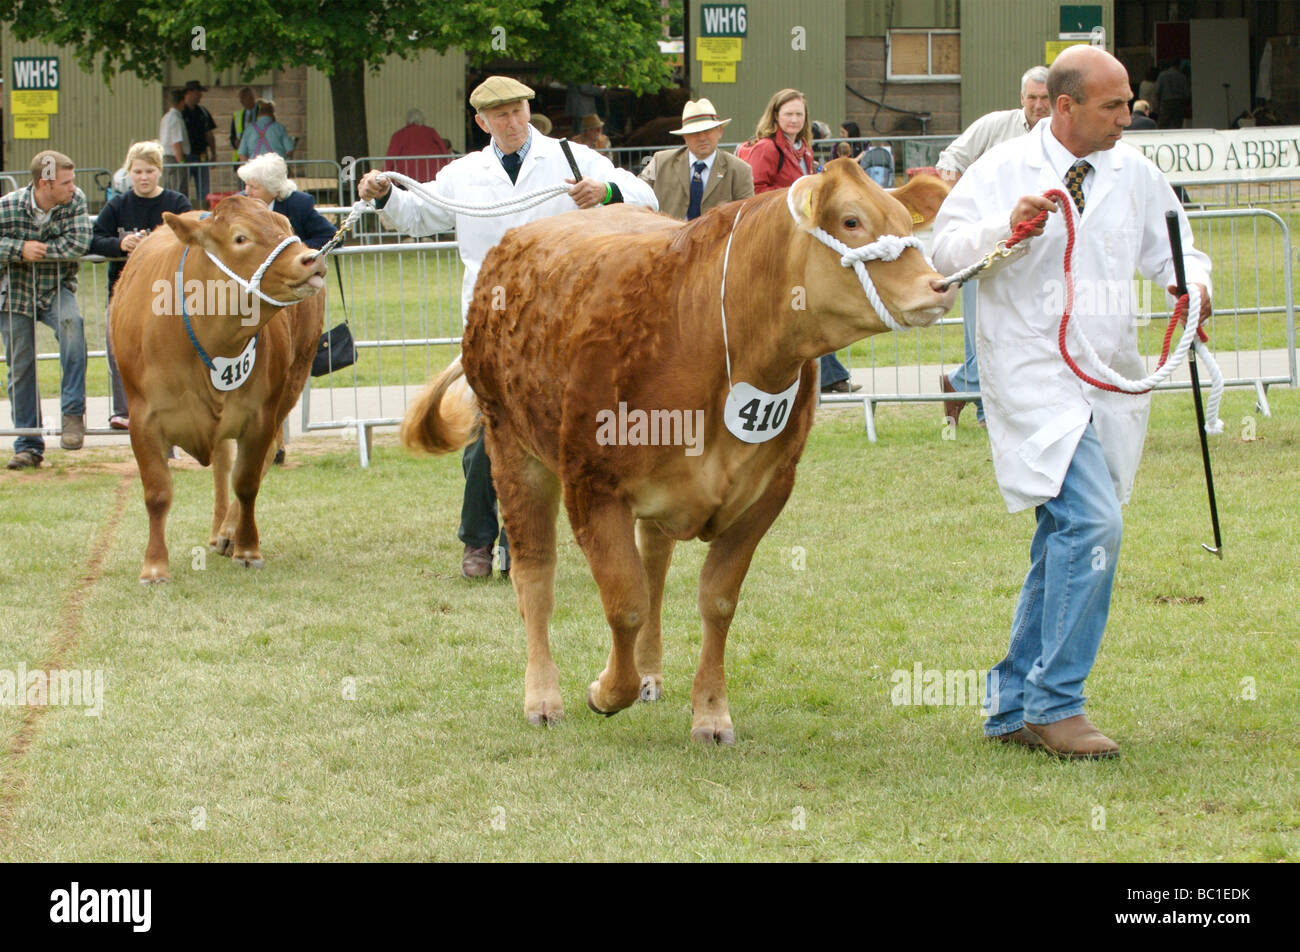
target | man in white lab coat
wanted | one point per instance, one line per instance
(1060, 445)
(519, 159)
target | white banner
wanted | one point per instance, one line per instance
(1189, 156)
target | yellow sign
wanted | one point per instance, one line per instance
(718, 49)
(717, 72)
(31, 126)
(34, 100)
(1054, 48)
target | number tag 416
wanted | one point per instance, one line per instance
(754, 416)
(230, 373)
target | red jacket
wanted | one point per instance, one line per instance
(765, 158)
(416, 140)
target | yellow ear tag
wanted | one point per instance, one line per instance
(805, 208)
(917, 218)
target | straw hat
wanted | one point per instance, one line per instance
(592, 121)
(699, 116)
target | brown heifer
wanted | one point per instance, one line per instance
(618, 308)
(244, 394)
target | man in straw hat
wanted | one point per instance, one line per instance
(519, 159)
(693, 178)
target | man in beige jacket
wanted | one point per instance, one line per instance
(693, 178)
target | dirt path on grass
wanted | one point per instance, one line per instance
(62, 646)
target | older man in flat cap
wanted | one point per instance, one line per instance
(519, 159)
(695, 177)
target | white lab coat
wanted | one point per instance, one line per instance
(1036, 408)
(479, 178)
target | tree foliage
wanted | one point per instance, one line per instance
(599, 41)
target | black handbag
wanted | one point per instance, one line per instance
(336, 351)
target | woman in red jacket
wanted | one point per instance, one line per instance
(783, 143)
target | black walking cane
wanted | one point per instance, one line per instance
(1176, 246)
(568, 154)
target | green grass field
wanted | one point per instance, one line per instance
(357, 700)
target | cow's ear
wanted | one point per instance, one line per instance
(188, 230)
(803, 201)
(922, 196)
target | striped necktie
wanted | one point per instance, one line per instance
(1074, 182)
(697, 191)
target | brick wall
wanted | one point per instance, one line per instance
(864, 70)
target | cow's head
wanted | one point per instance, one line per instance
(855, 210)
(242, 232)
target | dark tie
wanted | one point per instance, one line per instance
(1074, 182)
(697, 191)
(512, 162)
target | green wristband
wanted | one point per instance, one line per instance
(609, 194)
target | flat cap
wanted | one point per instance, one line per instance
(496, 91)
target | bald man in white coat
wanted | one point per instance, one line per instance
(1059, 444)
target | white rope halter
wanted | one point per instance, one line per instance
(251, 286)
(884, 248)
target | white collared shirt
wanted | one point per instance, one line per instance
(708, 164)
(1060, 159)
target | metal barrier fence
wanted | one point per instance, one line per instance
(403, 304)
(326, 185)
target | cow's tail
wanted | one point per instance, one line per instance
(445, 416)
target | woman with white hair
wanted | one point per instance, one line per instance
(267, 179)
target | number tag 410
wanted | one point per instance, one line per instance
(230, 373)
(754, 416)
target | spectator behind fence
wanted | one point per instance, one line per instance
(517, 160)
(175, 141)
(243, 117)
(541, 122)
(46, 219)
(849, 130)
(123, 223)
(266, 178)
(1147, 88)
(1174, 94)
(781, 153)
(593, 133)
(695, 177)
(266, 134)
(203, 143)
(416, 138)
(1141, 117)
(980, 136)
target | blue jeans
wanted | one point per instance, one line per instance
(967, 376)
(832, 371)
(1062, 610)
(19, 332)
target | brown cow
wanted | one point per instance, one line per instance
(579, 317)
(244, 397)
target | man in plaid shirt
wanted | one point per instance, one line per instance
(47, 219)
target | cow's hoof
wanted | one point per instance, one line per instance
(248, 562)
(592, 688)
(652, 688)
(546, 715)
(222, 546)
(714, 731)
(154, 580)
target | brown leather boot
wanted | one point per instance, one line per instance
(477, 562)
(951, 408)
(1019, 736)
(1075, 738)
